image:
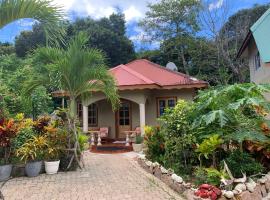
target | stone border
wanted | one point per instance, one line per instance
(242, 191)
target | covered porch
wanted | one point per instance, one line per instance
(97, 113)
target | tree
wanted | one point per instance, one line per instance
(108, 35)
(6, 48)
(79, 72)
(29, 40)
(172, 23)
(43, 11)
(228, 33)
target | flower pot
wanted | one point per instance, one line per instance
(137, 147)
(32, 169)
(5, 171)
(51, 167)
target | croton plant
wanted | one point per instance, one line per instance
(8, 131)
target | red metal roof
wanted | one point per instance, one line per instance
(142, 74)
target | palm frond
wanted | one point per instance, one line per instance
(44, 12)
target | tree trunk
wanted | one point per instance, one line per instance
(72, 126)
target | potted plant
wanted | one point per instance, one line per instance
(52, 159)
(7, 132)
(32, 152)
(137, 145)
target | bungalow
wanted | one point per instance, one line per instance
(256, 47)
(145, 89)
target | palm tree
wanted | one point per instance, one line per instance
(43, 11)
(79, 72)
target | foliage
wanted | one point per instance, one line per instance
(6, 48)
(56, 142)
(27, 41)
(242, 162)
(171, 21)
(155, 142)
(234, 112)
(138, 139)
(23, 135)
(209, 175)
(13, 74)
(43, 11)
(209, 146)
(107, 35)
(33, 149)
(179, 139)
(83, 141)
(8, 130)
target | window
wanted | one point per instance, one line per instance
(257, 61)
(163, 103)
(124, 118)
(79, 110)
(92, 115)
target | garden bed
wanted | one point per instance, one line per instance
(260, 190)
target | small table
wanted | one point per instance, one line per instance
(127, 136)
(93, 137)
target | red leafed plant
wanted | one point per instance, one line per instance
(8, 131)
(208, 191)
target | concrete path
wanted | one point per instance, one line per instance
(105, 177)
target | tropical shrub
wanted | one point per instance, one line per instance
(33, 149)
(8, 130)
(83, 141)
(179, 138)
(22, 136)
(209, 175)
(242, 162)
(209, 147)
(155, 143)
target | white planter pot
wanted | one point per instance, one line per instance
(137, 147)
(51, 167)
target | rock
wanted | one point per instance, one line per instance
(142, 157)
(177, 178)
(267, 176)
(244, 196)
(267, 186)
(235, 192)
(148, 163)
(251, 185)
(189, 194)
(228, 194)
(187, 185)
(167, 179)
(263, 191)
(157, 172)
(262, 180)
(163, 170)
(240, 186)
(155, 164)
(178, 187)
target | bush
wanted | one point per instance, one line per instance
(155, 146)
(176, 126)
(209, 175)
(239, 162)
(22, 136)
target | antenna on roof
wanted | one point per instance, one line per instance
(171, 66)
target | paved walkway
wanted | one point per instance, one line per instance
(105, 177)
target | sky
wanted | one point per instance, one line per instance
(134, 11)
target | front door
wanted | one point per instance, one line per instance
(123, 119)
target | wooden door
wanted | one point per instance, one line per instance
(123, 119)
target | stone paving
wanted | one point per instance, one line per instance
(105, 177)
